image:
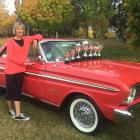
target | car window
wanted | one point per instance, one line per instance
(3, 53)
(49, 50)
(55, 50)
(31, 53)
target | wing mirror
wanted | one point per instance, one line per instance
(40, 59)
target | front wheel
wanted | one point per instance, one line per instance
(85, 115)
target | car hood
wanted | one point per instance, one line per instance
(103, 71)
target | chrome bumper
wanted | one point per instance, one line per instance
(122, 116)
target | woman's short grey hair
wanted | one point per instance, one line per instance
(16, 24)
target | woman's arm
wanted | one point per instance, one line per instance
(35, 37)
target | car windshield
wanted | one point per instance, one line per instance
(55, 50)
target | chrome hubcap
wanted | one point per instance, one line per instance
(84, 115)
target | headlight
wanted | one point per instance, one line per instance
(131, 97)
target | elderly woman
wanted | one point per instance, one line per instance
(16, 62)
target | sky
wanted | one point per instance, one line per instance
(10, 6)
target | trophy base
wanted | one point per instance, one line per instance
(72, 60)
(96, 57)
(84, 58)
(67, 61)
(78, 59)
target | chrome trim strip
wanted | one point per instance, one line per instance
(74, 81)
(123, 112)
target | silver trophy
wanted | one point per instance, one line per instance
(72, 52)
(85, 48)
(91, 48)
(98, 49)
(67, 56)
(78, 49)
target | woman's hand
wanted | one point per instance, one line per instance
(28, 62)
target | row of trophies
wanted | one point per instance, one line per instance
(84, 51)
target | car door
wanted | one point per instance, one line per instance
(34, 84)
(37, 82)
(2, 65)
(54, 54)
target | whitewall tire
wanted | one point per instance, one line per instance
(85, 115)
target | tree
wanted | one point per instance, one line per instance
(119, 18)
(6, 22)
(95, 13)
(45, 16)
(133, 22)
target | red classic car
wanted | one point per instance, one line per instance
(90, 89)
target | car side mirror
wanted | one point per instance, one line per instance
(40, 59)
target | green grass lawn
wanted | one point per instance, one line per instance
(50, 123)
(117, 50)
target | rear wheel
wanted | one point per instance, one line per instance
(85, 115)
